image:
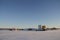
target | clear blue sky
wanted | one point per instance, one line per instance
(29, 13)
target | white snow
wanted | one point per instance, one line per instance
(30, 35)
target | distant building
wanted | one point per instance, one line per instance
(39, 27)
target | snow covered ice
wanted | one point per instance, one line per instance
(30, 35)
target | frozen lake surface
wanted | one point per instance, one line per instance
(30, 35)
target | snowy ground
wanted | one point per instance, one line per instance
(30, 35)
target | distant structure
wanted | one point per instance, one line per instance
(41, 27)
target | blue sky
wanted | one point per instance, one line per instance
(29, 13)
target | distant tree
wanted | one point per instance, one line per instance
(30, 29)
(44, 28)
(53, 28)
(10, 29)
